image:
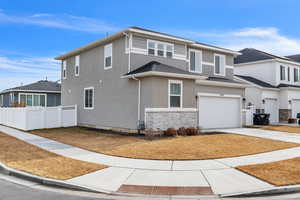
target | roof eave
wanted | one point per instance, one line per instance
(164, 74)
(38, 91)
(221, 84)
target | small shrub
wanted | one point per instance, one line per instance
(192, 131)
(171, 132)
(181, 131)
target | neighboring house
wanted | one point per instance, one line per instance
(42, 93)
(139, 75)
(275, 80)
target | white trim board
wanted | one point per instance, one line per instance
(170, 109)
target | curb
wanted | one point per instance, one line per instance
(278, 190)
(44, 181)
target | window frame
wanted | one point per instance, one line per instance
(93, 98)
(77, 64)
(298, 75)
(282, 73)
(64, 71)
(224, 66)
(201, 68)
(169, 93)
(32, 98)
(165, 51)
(110, 45)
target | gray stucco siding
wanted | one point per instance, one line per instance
(139, 42)
(115, 98)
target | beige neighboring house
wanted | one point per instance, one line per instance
(142, 76)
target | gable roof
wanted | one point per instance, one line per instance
(40, 86)
(256, 81)
(294, 57)
(252, 55)
(135, 29)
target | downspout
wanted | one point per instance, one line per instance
(139, 97)
(129, 49)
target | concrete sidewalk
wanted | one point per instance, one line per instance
(198, 177)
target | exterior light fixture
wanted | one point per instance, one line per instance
(290, 101)
(263, 101)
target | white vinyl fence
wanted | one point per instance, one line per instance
(30, 118)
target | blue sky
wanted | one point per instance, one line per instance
(34, 31)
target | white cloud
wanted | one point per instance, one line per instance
(14, 71)
(264, 38)
(61, 21)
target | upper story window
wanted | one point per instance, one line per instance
(195, 61)
(162, 49)
(288, 73)
(219, 64)
(64, 71)
(108, 56)
(282, 72)
(89, 98)
(175, 94)
(77, 65)
(296, 74)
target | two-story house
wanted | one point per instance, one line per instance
(139, 75)
(275, 80)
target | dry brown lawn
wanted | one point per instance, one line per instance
(283, 128)
(280, 173)
(20, 155)
(179, 148)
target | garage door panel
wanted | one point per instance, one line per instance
(219, 112)
(295, 107)
(272, 108)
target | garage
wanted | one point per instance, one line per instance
(295, 107)
(271, 107)
(217, 111)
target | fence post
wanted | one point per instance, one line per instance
(76, 115)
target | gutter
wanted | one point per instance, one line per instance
(221, 84)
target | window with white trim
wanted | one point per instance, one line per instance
(89, 98)
(288, 74)
(296, 74)
(32, 99)
(1, 100)
(219, 64)
(77, 65)
(108, 56)
(162, 49)
(175, 94)
(195, 61)
(282, 72)
(64, 71)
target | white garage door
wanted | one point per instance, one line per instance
(219, 112)
(295, 107)
(271, 107)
